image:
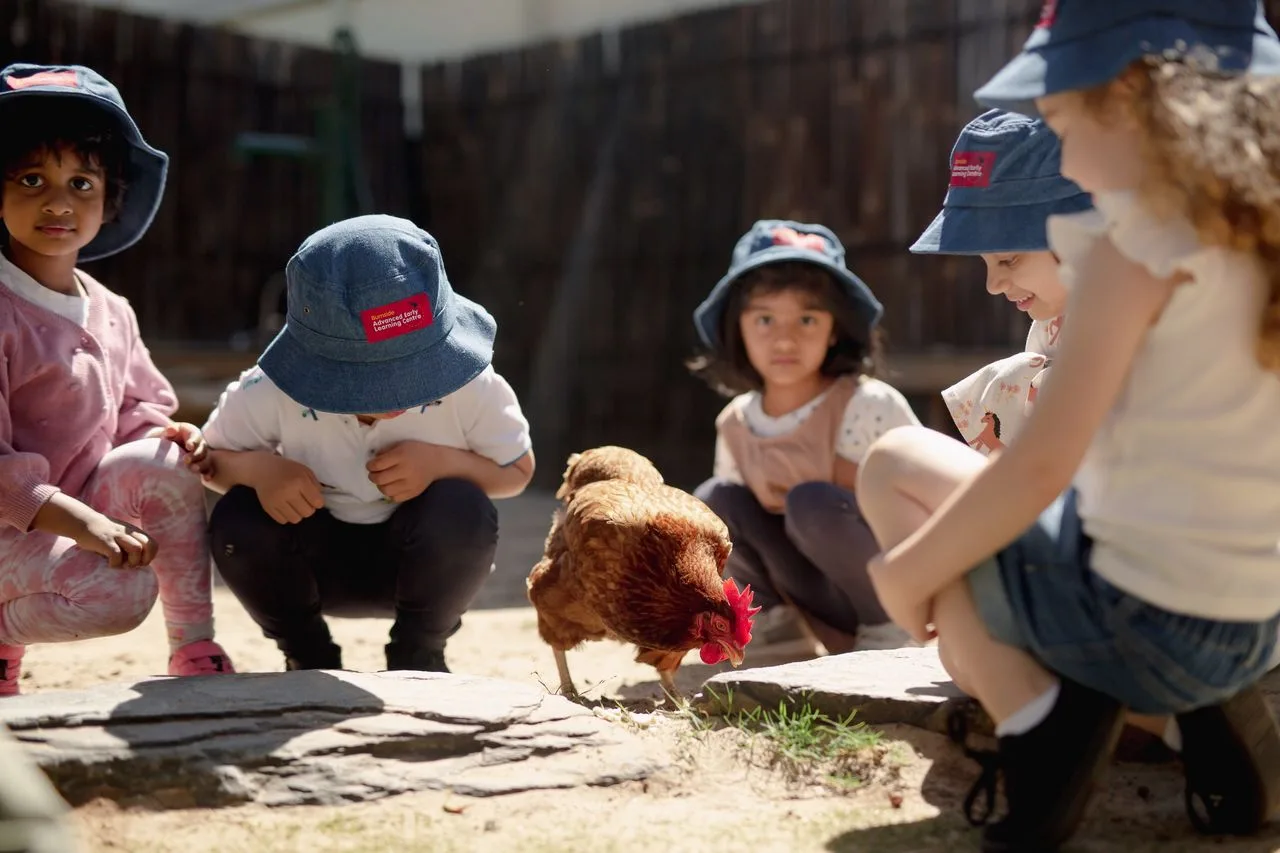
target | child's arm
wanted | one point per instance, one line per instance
(404, 471)
(149, 400)
(1113, 304)
(498, 459)
(242, 432)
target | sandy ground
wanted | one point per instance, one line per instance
(723, 789)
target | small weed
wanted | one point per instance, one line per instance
(801, 740)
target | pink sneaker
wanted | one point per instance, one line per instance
(10, 669)
(203, 657)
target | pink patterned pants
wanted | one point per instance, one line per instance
(52, 591)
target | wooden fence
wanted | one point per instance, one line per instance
(588, 192)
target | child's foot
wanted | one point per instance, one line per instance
(203, 657)
(1049, 772)
(885, 636)
(326, 656)
(10, 669)
(401, 657)
(1231, 754)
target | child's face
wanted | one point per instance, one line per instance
(786, 334)
(53, 205)
(1100, 152)
(1029, 280)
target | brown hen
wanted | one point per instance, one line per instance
(632, 559)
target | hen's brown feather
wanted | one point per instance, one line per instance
(628, 558)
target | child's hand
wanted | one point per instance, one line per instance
(287, 490)
(903, 604)
(190, 439)
(124, 545)
(405, 470)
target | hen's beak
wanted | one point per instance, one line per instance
(733, 653)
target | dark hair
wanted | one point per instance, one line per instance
(34, 124)
(728, 369)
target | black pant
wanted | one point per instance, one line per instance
(423, 566)
(815, 552)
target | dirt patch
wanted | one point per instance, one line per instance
(724, 788)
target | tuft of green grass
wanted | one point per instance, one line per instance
(801, 740)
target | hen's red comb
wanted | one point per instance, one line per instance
(743, 612)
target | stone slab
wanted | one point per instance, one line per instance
(316, 737)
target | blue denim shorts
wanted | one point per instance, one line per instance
(1040, 594)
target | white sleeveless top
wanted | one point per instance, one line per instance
(1180, 488)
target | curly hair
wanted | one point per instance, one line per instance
(35, 125)
(728, 370)
(1212, 145)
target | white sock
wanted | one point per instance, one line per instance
(1031, 714)
(181, 635)
(1173, 736)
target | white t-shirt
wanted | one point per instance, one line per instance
(874, 409)
(483, 416)
(72, 306)
(1180, 488)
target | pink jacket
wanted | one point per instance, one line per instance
(68, 395)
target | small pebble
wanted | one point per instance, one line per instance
(895, 800)
(490, 826)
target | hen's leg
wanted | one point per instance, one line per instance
(566, 681)
(668, 679)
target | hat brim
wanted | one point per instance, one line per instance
(147, 171)
(1090, 61)
(993, 230)
(709, 315)
(367, 388)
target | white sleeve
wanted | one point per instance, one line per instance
(247, 416)
(726, 467)
(875, 408)
(991, 405)
(492, 420)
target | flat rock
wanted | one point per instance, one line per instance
(907, 686)
(898, 686)
(316, 737)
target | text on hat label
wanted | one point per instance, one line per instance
(972, 168)
(44, 78)
(398, 318)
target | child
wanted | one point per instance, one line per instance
(92, 480)
(792, 332)
(1153, 580)
(359, 455)
(1005, 183)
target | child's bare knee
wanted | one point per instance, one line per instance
(889, 457)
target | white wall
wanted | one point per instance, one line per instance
(420, 30)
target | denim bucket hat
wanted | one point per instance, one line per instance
(1005, 184)
(372, 324)
(775, 241)
(146, 168)
(1079, 44)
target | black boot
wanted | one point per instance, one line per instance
(411, 656)
(1049, 772)
(1231, 755)
(319, 656)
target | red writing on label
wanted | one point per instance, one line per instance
(972, 168)
(44, 78)
(1048, 14)
(398, 318)
(792, 237)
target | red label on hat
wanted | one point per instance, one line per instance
(972, 168)
(792, 237)
(398, 318)
(44, 78)
(1048, 14)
